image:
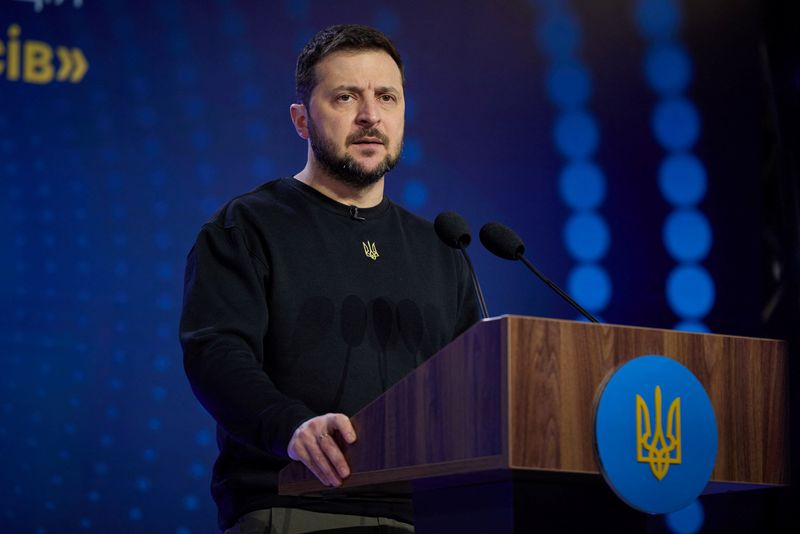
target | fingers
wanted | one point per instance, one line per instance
(325, 472)
(342, 423)
(334, 455)
(314, 445)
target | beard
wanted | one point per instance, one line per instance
(346, 169)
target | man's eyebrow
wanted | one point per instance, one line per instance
(357, 89)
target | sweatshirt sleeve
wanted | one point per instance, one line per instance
(223, 324)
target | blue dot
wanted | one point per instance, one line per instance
(386, 20)
(200, 139)
(101, 468)
(411, 108)
(205, 172)
(657, 19)
(257, 131)
(135, 513)
(586, 236)
(159, 393)
(183, 530)
(576, 134)
(190, 502)
(149, 455)
(687, 235)
(161, 363)
(202, 437)
(568, 85)
(152, 147)
(688, 520)
(668, 69)
(690, 291)
(106, 440)
(582, 185)
(415, 194)
(590, 286)
(296, 9)
(163, 240)
(143, 484)
(251, 96)
(140, 87)
(146, 117)
(412, 151)
(676, 124)
(154, 423)
(682, 179)
(86, 522)
(692, 326)
(558, 34)
(93, 496)
(166, 330)
(242, 59)
(197, 470)
(165, 302)
(193, 106)
(232, 23)
(208, 205)
(262, 167)
(186, 74)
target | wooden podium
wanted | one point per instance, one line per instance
(495, 431)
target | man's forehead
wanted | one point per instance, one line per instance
(357, 68)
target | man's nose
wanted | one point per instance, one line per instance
(368, 113)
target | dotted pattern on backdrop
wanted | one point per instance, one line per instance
(100, 234)
(576, 136)
(687, 233)
(105, 186)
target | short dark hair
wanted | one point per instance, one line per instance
(334, 39)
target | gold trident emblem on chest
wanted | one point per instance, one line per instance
(654, 446)
(370, 250)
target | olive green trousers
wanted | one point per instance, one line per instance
(297, 521)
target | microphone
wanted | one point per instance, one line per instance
(452, 229)
(502, 241)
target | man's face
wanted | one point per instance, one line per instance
(356, 115)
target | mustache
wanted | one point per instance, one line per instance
(369, 132)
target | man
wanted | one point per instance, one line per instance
(308, 297)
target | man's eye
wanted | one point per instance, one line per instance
(387, 98)
(344, 98)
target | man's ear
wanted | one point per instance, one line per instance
(299, 115)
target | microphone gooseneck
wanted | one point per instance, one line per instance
(502, 241)
(453, 230)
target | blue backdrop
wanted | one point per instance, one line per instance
(621, 139)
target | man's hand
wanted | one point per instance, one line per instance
(313, 444)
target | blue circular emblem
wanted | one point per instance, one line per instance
(655, 434)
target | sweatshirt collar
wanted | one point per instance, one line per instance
(360, 214)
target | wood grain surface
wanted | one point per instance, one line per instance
(558, 367)
(519, 393)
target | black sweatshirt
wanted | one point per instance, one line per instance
(296, 305)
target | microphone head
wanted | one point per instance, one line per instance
(452, 229)
(502, 241)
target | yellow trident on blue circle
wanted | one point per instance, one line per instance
(655, 447)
